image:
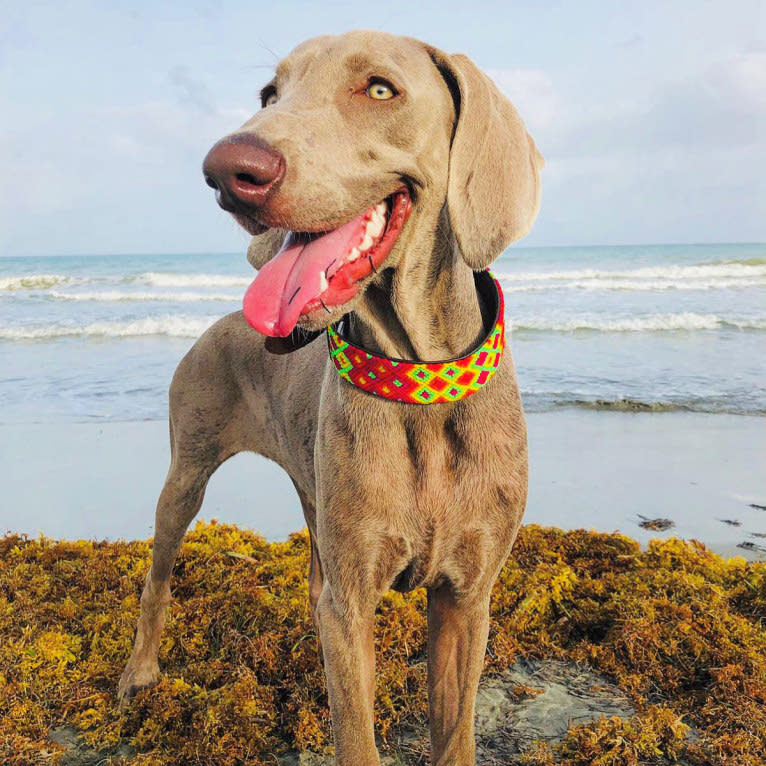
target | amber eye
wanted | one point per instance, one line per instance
(380, 91)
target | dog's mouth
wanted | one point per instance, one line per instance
(323, 271)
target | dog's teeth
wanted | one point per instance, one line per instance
(323, 283)
(375, 226)
(366, 242)
(354, 254)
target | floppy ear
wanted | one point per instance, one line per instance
(493, 191)
(263, 247)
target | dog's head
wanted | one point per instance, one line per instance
(360, 142)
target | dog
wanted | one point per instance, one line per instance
(366, 135)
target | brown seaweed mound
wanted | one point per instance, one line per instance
(679, 630)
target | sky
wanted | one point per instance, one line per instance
(651, 115)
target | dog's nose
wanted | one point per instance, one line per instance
(243, 169)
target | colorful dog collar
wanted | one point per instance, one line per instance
(424, 382)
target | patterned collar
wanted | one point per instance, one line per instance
(424, 382)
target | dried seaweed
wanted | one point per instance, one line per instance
(681, 632)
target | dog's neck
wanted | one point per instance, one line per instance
(424, 309)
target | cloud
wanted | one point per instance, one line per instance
(633, 41)
(532, 92)
(192, 91)
(720, 106)
(107, 174)
(682, 160)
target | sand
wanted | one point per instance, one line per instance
(506, 723)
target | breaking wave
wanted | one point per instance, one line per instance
(153, 278)
(652, 323)
(161, 279)
(35, 281)
(728, 269)
(118, 296)
(749, 272)
(636, 285)
(702, 277)
(173, 326)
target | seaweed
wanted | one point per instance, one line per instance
(680, 631)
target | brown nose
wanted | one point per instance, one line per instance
(244, 170)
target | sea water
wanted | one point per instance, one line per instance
(662, 327)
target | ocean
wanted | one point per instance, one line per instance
(660, 328)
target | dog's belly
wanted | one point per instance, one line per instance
(460, 558)
(411, 577)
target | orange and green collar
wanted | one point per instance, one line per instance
(424, 382)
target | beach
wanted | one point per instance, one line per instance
(641, 372)
(640, 368)
(588, 470)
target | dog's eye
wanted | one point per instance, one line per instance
(269, 97)
(380, 90)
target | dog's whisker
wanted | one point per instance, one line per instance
(292, 297)
(324, 306)
(372, 265)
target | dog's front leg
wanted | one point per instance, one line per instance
(348, 646)
(457, 639)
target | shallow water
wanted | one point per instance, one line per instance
(591, 470)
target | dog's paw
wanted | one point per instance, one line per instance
(133, 680)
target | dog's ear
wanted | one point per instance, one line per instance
(264, 247)
(493, 191)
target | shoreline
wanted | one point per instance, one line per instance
(588, 470)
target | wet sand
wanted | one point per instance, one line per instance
(592, 470)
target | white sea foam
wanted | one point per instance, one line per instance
(636, 285)
(173, 326)
(704, 271)
(700, 277)
(192, 327)
(34, 281)
(653, 323)
(727, 275)
(119, 296)
(161, 279)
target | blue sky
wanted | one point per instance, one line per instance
(651, 115)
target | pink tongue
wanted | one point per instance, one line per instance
(293, 277)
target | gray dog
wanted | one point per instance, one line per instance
(379, 180)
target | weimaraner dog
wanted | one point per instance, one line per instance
(420, 151)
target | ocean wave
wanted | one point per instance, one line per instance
(653, 323)
(193, 326)
(636, 285)
(714, 271)
(35, 281)
(173, 326)
(754, 261)
(119, 296)
(162, 279)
